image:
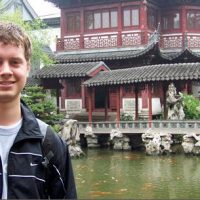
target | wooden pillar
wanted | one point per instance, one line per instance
(118, 106)
(161, 93)
(185, 90)
(63, 94)
(106, 104)
(81, 29)
(143, 22)
(57, 100)
(119, 35)
(150, 102)
(183, 24)
(63, 23)
(90, 94)
(145, 97)
(120, 95)
(136, 102)
(83, 94)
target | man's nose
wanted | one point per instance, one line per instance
(5, 69)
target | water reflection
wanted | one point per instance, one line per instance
(107, 174)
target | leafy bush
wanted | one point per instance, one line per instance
(126, 117)
(43, 107)
(191, 107)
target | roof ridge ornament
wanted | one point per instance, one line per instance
(185, 39)
(155, 37)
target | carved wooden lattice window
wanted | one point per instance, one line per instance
(130, 17)
(171, 20)
(193, 19)
(101, 19)
(73, 22)
(152, 18)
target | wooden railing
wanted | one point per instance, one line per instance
(133, 127)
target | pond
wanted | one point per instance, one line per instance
(109, 174)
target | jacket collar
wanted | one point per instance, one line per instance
(30, 128)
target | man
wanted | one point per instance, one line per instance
(34, 161)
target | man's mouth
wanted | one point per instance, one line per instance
(6, 83)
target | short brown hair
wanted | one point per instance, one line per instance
(12, 34)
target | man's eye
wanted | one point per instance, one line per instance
(15, 62)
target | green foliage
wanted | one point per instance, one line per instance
(126, 117)
(191, 107)
(39, 36)
(43, 107)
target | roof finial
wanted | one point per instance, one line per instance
(154, 38)
(185, 41)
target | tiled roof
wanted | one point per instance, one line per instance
(162, 72)
(99, 56)
(86, 56)
(175, 55)
(68, 70)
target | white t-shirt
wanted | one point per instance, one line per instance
(7, 137)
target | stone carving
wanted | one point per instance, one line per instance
(70, 133)
(157, 143)
(174, 104)
(120, 141)
(191, 143)
(92, 139)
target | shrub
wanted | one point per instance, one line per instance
(44, 108)
(191, 107)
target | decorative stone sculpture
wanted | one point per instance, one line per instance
(120, 141)
(92, 139)
(174, 103)
(70, 133)
(157, 143)
(191, 143)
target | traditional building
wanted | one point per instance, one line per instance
(118, 56)
(10, 6)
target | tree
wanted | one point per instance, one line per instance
(43, 107)
(191, 107)
(39, 36)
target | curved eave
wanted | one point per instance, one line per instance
(178, 55)
(120, 82)
(153, 73)
(90, 57)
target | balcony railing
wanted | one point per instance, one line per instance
(132, 127)
(102, 40)
(127, 39)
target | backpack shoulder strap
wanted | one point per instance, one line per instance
(43, 127)
(46, 147)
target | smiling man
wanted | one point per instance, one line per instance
(34, 161)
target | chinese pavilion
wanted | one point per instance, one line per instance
(119, 56)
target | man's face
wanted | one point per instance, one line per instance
(13, 72)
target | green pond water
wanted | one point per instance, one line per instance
(108, 174)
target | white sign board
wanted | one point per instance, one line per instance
(73, 105)
(128, 104)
